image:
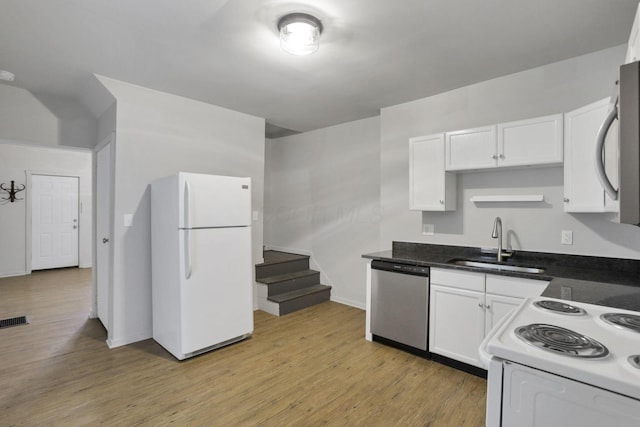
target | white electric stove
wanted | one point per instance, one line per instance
(561, 363)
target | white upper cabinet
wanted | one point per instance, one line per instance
(633, 47)
(528, 142)
(582, 190)
(471, 149)
(430, 187)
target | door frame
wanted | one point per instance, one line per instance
(29, 218)
(109, 143)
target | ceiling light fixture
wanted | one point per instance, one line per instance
(299, 33)
(7, 76)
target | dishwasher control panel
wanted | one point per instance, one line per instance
(415, 270)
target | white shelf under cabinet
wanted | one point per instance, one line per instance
(509, 198)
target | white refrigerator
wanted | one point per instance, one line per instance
(202, 278)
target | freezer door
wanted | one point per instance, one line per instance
(216, 298)
(213, 201)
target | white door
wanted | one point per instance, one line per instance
(54, 221)
(103, 232)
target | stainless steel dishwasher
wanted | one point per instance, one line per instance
(400, 305)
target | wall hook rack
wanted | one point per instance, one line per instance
(12, 191)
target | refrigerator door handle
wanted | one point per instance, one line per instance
(187, 202)
(600, 139)
(187, 254)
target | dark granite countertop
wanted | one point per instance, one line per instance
(611, 282)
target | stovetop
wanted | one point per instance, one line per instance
(593, 344)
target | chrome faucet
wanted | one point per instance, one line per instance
(497, 234)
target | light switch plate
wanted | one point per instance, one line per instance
(128, 220)
(566, 237)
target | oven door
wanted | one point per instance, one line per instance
(537, 398)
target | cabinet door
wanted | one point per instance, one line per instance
(582, 190)
(498, 306)
(430, 187)
(471, 149)
(456, 323)
(530, 142)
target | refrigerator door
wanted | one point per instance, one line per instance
(213, 201)
(216, 300)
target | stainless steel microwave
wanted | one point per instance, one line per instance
(625, 108)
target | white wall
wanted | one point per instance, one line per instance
(17, 158)
(159, 134)
(44, 120)
(553, 88)
(322, 193)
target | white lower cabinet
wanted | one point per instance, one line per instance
(498, 306)
(456, 323)
(464, 306)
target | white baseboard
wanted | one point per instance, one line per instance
(128, 339)
(13, 273)
(355, 304)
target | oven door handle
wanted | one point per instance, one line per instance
(483, 352)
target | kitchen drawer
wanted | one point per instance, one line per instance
(515, 286)
(458, 279)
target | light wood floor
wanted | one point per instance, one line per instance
(309, 368)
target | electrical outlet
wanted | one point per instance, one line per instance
(566, 237)
(428, 229)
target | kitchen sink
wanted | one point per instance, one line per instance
(496, 266)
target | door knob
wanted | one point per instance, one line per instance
(75, 226)
(105, 240)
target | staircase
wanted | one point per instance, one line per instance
(286, 284)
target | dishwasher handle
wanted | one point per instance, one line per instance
(412, 269)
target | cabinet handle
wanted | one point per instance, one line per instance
(480, 305)
(501, 156)
(566, 200)
(442, 202)
(488, 306)
(493, 156)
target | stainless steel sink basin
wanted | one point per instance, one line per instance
(496, 266)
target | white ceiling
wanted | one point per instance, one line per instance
(373, 53)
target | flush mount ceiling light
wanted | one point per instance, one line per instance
(7, 76)
(299, 33)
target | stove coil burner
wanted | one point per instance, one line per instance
(622, 320)
(560, 307)
(561, 341)
(634, 360)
